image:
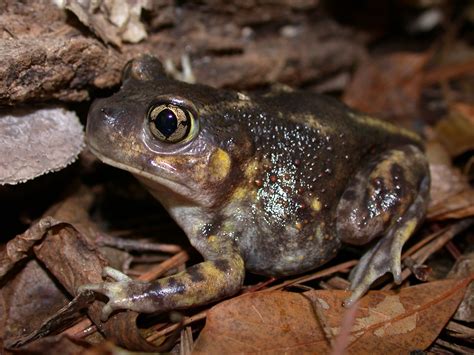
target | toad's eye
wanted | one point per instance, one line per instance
(170, 123)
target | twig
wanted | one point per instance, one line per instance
(343, 267)
(160, 269)
(173, 327)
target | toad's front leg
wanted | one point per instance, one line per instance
(387, 199)
(221, 275)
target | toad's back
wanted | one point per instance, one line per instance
(308, 147)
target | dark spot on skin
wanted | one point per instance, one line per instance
(273, 178)
(154, 292)
(209, 229)
(222, 265)
(195, 274)
(297, 162)
(176, 286)
(349, 195)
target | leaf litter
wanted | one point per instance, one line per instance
(417, 315)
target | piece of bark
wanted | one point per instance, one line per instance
(228, 56)
(43, 57)
(248, 45)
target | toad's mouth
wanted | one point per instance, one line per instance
(152, 181)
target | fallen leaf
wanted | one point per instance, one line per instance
(387, 86)
(35, 142)
(446, 180)
(464, 267)
(460, 205)
(278, 322)
(456, 131)
(29, 297)
(285, 322)
(78, 263)
(393, 322)
(58, 344)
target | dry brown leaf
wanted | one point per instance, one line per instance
(456, 131)
(389, 322)
(460, 205)
(58, 344)
(446, 180)
(268, 322)
(388, 86)
(78, 263)
(262, 322)
(29, 297)
(465, 266)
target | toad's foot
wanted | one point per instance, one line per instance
(200, 284)
(116, 291)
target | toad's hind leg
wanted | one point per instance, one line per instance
(387, 198)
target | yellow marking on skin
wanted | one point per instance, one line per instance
(383, 168)
(219, 165)
(401, 237)
(227, 106)
(373, 122)
(239, 193)
(251, 169)
(316, 204)
(311, 121)
(212, 239)
(319, 233)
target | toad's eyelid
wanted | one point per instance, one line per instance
(177, 101)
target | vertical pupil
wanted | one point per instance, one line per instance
(166, 122)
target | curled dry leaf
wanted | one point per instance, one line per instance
(35, 142)
(78, 263)
(29, 297)
(385, 322)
